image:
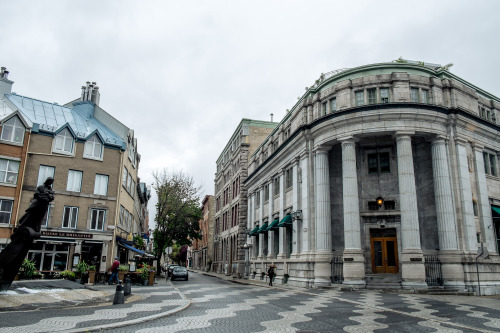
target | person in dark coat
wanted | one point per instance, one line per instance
(271, 274)
(114, 271)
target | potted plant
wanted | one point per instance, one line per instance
(144, 274)
(121, 271)
(27, 269)
(92, 274)
(81, 271)
(68, 275)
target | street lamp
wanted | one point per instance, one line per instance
(380, 202)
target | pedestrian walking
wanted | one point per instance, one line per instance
(114, 271)
(270, 273)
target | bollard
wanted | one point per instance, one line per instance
(127, 288)
(119, 297)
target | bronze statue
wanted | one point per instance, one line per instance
(28, 229)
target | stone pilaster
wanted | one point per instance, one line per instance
(354, 270)
(484, 207)
(466, 197)
(296, 223)
(270, 234)
(303, 179)
(323, 219)
(412, 261)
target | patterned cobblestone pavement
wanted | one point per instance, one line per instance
(217, 305)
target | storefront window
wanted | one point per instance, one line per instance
(49, 257)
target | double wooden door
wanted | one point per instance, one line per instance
(384, 254)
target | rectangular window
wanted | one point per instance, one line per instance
(97, 219)
(101, 184)
(372, 163)
(372, 96)
(333, 105)
(122, 215)
(74, 183)
(8, 171)
(289, 178)
(124, 177)
(425, 96)
(257, 198)
(324, 108)
(372, 205)
(389, 205)
(266, 193)
(276, 186)
(360, 98)
(490, 164)
(5, 211)
(46, 218)
(63, 142)
(414, 95)
(385, 165)
(13, 130)
(384, 95)
(70, 217)
(93, 148)
(43, 173)
(129, 183)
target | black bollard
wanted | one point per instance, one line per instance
(127, 288)
(119, 297)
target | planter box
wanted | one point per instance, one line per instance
(151, 279)
(121, 275)
(91, 277)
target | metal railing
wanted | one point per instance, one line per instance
(433, 273)
(337, 266)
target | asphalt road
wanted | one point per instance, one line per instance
(222, 306)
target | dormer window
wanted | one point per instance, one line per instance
(63, 142)
(93, 148)
(13, 130)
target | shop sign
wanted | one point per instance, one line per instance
(66, 234)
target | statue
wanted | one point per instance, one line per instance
(28, 229)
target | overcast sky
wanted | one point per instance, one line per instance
(182, 74)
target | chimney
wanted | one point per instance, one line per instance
(90, 92)
(271, 117)
(5, 84)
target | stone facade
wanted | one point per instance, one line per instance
(417, 138)
(202, 249)
(230, 196)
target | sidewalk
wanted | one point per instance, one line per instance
(65, 306)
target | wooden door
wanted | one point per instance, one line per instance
(384, 255)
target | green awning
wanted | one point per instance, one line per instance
(286, 221)
(496, 211)
(254, 231)
(273, 225)
(263, 228)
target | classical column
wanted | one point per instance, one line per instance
(282, 232)
(261, 219)
(295, 202)
(270, 234)
(323, 251)
(412, 264)
(354, 270)
(303, 179)
(484, 207)
(447, 228)
(469, 224)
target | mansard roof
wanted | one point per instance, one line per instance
(52, 117)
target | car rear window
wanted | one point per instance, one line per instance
(180, 269)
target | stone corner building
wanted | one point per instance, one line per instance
(230, 195)
(380, 174)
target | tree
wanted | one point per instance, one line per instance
(177, 211)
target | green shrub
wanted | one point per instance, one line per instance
(144, 273)
(91, 268)
(68, 275)
(123, 268)
(27, 269)
(81, 269)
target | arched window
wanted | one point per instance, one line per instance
(93, 148)
(13, 130)
(63, 142)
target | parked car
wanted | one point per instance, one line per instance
(180, 272)
(170, 269)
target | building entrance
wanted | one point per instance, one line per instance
(384, 251)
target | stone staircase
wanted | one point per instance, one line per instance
(383, 281)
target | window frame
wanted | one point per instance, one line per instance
(101, 176)
(93, 141)
(289, 178)
(5, 212)
(74, 172)
(333, 105)
(276, 186)
(94, 224)
(374, 162)
(12, 123)
(372, 95)
(414, 95)
(63, 135)
(382, 98)
(71, 224)
(40, 181)
(4, 179)
(359, 101)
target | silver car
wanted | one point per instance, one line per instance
(179, 272)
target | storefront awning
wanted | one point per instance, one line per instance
(263, 228)
(131, 248)
(273, 225)
(254, 231)
(286, 221)
(496, 212)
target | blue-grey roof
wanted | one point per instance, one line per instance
(52, 117)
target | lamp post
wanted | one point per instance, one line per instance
(380, 202)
